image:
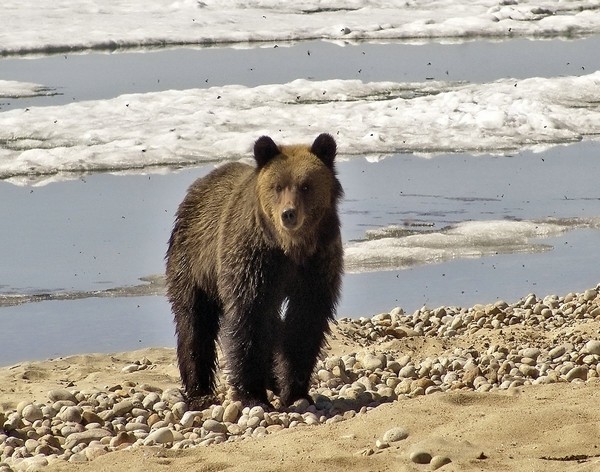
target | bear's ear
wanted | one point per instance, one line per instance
(324, 148)
(265, 149)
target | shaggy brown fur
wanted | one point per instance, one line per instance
(247, 239)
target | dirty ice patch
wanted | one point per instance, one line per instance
(63, 25)
(189, 127)
(396, 248)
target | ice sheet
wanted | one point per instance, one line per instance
(201, 125)
(394, 248)
(62, 25)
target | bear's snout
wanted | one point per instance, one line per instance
(289, 217)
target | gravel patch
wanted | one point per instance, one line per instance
(78, 426)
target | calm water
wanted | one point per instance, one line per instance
(101, 75)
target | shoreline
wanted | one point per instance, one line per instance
(450, 380)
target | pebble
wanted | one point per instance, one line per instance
(123, 407)
(85, 437)
(160, 436)
(592, 347)
(371, 362)
(579, 372)
(78, 426)
(439, 461)
(394, 435)
(214, 426)
(420, 457)
(71, 413)
(189, 418)
(61, 395)
(232, 412)
(32, 412)
(257, 412)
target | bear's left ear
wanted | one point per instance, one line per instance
(265, 149)
(324, 148)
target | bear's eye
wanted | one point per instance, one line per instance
(278, 188)
(305, 187)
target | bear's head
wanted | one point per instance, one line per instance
(297, 188)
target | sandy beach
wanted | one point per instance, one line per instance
(521, 413)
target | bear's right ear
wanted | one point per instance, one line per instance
(265, 149)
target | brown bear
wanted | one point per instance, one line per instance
(255, 261)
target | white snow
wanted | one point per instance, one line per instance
(202, 125)
(61, 25)
(14, 89)
(390, 250)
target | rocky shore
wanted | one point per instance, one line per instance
(389, 358)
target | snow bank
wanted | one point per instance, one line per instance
(391, 249)
(175, 128)
(30, 26)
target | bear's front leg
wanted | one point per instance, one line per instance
(311, 307)
(305, 328)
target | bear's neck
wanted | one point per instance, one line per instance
(297, 250)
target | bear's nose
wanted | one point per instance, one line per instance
(289, 217)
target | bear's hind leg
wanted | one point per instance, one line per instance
(197, 331)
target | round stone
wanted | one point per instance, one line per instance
(531, 352)
(231, 413)
(439, 461)
(592, 347)
(160, 436)
(217, 413)
(122, 408)
(556, 352)
(371, 362)
(61, 394)
(395, 434)
(88, 416)
(379, 444)
(529, 371)
(32, 412)
(324, 375)
(189, 418)
(407, 371)
(579, 372)
(257, 412)
(37, 462)
(214, 426)
(420, 457)
(71, 413)
(179, 409)
(172, 396)
(86, 437)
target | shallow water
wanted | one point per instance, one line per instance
(77, 77)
